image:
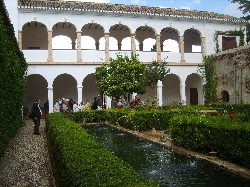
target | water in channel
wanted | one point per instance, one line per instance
(161, 164)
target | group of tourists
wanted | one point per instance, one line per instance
(122, 103)
(63, 105)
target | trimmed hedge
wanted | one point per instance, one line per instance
(220, 133)
(81, 161)
(12, 81)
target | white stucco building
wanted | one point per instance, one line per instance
(69, 73)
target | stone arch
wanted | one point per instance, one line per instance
(36, 88)
(65, 86)
(194, 89)
(90, 89)
(225, 96)
(192, 37)
(144, 32)
(171, 89)
(34, 36)
(169, 33)
(119, 32)
(65, 29)
(93, 30)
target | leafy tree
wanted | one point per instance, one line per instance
(244, 6)
(121, 76)
(154, 72)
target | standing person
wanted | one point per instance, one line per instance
(37, 113)
(56, 106)
(137, 100)
(99, 103)
(75, 106)
(87, 105)
(113, 103)
(119, 103)
(94, 104)
(46, 107)
(124, 102)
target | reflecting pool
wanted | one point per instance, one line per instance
(161, 164)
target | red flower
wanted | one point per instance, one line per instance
(231, 116)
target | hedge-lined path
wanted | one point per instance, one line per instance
(26, 160)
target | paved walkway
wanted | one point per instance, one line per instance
(26, 161)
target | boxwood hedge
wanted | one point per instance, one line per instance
(81, 161)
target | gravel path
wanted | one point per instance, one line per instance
(26, 160)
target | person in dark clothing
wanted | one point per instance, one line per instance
(99, 103)
(37, 113)
(46, 107)
(94, 104)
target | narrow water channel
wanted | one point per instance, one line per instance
(165, 166)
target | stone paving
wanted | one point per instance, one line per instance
(26, 160)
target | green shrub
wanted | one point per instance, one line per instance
(12, 82)
(81, 161)
(220, 133)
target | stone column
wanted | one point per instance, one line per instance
(158, 47)
(79, 92)
(133, 44)
(181, 49)
(133, 96)
(119, 46)
(183, 93)
(203, 46)
(97, 45)
(159, 92)
(79, 46)
(50, 98)
(108, 101)
(106, 36)
(50, 59)
(20, 40)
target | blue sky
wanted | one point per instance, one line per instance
(218, 6)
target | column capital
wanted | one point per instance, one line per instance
(157, 35)
(50, 88)
(133, 34)
(106, 33)
(79, 86)
(78, 31)
(49, 30)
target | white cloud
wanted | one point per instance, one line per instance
(184, 7)
(232, 9)
(197, 1)
(138, 1)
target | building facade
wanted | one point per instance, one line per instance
(69, 73)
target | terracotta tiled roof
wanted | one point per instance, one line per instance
(125, 9)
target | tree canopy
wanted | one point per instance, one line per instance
(127, 75)
(121, 76)
(154, 72)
